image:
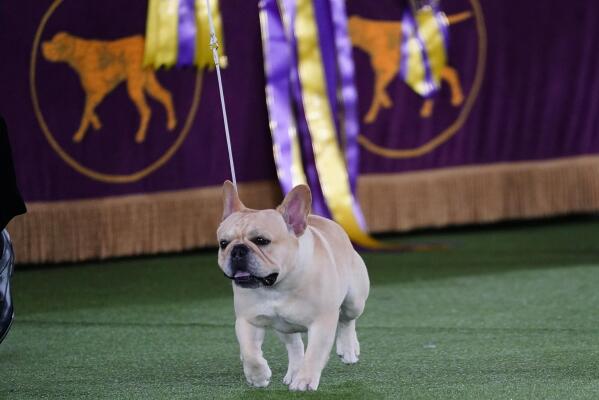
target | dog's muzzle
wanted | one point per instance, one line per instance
(249, 281)
(241, 276)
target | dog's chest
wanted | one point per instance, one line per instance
(282, 324)
(280, 314)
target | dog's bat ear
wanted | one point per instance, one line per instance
(296, 207)
(61, 36)
(231, 202)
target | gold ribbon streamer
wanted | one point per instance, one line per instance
(416, 74)
(151, 34)
(329, 160)
(298, 177)
(431, 34)
(162, 41)
(162, 33)
(203, 51)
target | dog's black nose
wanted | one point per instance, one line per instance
(239, 252)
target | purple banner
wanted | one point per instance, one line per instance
(108, 161)
(86, 121)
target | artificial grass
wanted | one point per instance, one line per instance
(506, 313)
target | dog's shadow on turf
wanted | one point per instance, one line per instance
(324, 392)
(339, 381)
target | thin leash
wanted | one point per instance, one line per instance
(214, 47)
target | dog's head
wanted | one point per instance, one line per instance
(60, 48)
(258, 248)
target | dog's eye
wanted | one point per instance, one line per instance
(260, 241)
(223, 244)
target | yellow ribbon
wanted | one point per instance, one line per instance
(432, 36)
(203, 51)
(298, 176)
(162, 46)
(416, 75)
(430, 32)
(151, 34)
(162, 33)
(329, 160)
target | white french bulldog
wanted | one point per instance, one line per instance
(294, 272)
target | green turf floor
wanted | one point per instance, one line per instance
(507, 313)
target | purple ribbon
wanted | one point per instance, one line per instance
(284, 90)
(349, 98)
(277, 59)
(406, 34)
(328, 53)
(187, 33)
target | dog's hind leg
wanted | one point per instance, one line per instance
(155, 89)
(250, 339)
(450, 75)
(295, 352)
(91, 102)
(427, 108)
(373, 111)
(348, 347)
(135, 90)
(380, 98)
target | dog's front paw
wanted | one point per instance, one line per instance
(291, 372)
(257, 374)
(171, 124)
(78, 136)
(302, 382)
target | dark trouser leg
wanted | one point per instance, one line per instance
(6, 269)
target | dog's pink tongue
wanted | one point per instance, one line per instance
(241, 274)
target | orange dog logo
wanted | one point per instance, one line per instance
(102, 66)
(381, 40)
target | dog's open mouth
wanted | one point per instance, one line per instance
(247, 280)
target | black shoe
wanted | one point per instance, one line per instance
(7, 259)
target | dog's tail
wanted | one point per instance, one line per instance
(459, 17)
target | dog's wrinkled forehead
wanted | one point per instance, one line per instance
(252, 223)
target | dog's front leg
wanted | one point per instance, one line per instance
(250, 339)
(91, 102)
(321, 336)
(295, 352)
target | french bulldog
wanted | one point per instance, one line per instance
(294, 272)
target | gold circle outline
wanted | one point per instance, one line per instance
(464, 113)
(90, 173)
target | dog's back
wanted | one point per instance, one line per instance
(332, 239)
(331, 231)
(372, 35)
